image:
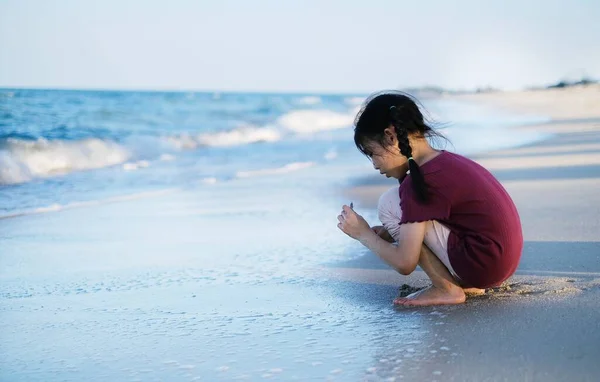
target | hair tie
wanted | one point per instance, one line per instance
(392, 107)
(410, 158)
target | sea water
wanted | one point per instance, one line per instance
(63, 147)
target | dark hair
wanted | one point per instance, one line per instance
(402, 111)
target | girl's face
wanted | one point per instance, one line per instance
(388, 160)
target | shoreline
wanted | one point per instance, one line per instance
(168, 287)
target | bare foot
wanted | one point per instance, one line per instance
(474, 291)
(433, 296)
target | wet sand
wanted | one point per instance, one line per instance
(544, 323)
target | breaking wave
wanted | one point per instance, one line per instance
(290, 167)
(239, 136)
(23, 160)
(312, 121)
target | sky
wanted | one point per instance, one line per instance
(296, 46)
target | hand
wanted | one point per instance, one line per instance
(352, 224)
(382, 233)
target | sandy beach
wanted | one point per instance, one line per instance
(213, 282)
(172, 176)
(544, 325)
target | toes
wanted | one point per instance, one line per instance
(430, 296)
(400, 301)
(414, 302)
(410, 297)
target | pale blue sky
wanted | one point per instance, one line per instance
(332, 46)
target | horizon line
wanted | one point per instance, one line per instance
(290, 92)
(232, 91)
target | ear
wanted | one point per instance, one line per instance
(390, 134)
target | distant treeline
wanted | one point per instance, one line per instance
(566, 84)
(436, 90)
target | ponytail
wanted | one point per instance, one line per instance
(419, 185)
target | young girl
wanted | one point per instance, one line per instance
(449, 215)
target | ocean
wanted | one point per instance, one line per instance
(60, 148)
(175, 235)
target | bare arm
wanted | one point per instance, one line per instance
(404, 257)
(383, 233)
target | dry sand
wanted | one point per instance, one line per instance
(577, 102)
(544, 323)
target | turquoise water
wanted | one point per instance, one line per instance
(63, 147)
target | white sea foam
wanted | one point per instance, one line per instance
(51, 208)
(61, 207)
(183, 142)
(312, 121)
(23, 160)
(167, 157)
(331, 154)
(310, 100)
(135, 165)
(239, 136)
(290, 167)
(354, 101)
